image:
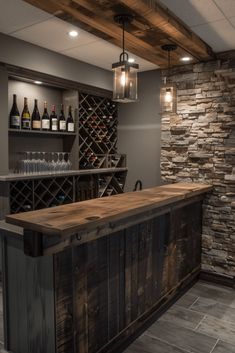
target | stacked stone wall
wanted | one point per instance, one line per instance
(198, 145)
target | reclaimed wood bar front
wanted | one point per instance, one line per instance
(90, 276)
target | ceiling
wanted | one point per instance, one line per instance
(212, 20)
(26, 22)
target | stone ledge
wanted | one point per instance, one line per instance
(230, 178)
(230, 151)
(200, 155)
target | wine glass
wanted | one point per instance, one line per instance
(68, 162)
(63, 162)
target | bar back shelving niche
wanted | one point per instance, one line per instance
(97, 169)
(38, 140)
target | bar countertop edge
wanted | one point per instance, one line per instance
(72, 218)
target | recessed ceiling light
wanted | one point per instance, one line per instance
(131, 60)
(186, 58)
(38, 82)
(73, 33)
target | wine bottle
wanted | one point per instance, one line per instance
(36, 119)
(25, 116)
(70, 121)
(14, 115)
(54, 119)
(45, 119)
(62, 120)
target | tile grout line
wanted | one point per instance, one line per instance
(170, 344)
(195, 301)
(215, 345)
(199, 323)
(211, 316)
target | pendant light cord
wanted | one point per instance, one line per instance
(123, 37)
(124, 55)
(169, 62)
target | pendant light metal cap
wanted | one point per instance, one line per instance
(126, 64)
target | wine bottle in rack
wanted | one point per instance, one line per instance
(62, 120)
(14, 115)
(70, 121)
(45, 119)
(25, 116)
(54, 119)
(36, 119)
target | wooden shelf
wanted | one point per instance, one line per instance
(15, 177)
(40, 132)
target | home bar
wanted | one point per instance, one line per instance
(117, 176)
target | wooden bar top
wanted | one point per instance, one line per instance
(69, 219)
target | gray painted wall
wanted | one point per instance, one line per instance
(140, 132)
(21, 53)
(3, 121)
(32, 91)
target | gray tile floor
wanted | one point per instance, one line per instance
(201, 321)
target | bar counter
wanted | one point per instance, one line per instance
(90, 276)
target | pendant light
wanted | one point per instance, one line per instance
(124, 72)
(168, 93)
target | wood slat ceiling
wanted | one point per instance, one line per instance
(152, 27)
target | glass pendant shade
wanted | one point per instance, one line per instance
(124, 72)
(168, 99)
(168, 91)
(125, 81)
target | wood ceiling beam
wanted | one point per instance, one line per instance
(152, 27)
(172, 26)
(65, 10)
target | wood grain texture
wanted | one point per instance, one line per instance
(153, 26)
(29, 296)
(69, 219)
(63, 272)
(114, 283)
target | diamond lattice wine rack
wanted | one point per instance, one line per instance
(97, 130)
(28, 195)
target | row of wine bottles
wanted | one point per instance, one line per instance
(35, 122)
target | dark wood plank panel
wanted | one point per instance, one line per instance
(80, 300)
(119, 280)
(114, 284)
(142, 266)
(29, 295)
(64, 301)
(97, 288)
(134, 273)
(161, 239)
(122, 289)
(128, 266)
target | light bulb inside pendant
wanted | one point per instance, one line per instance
(168, 96)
